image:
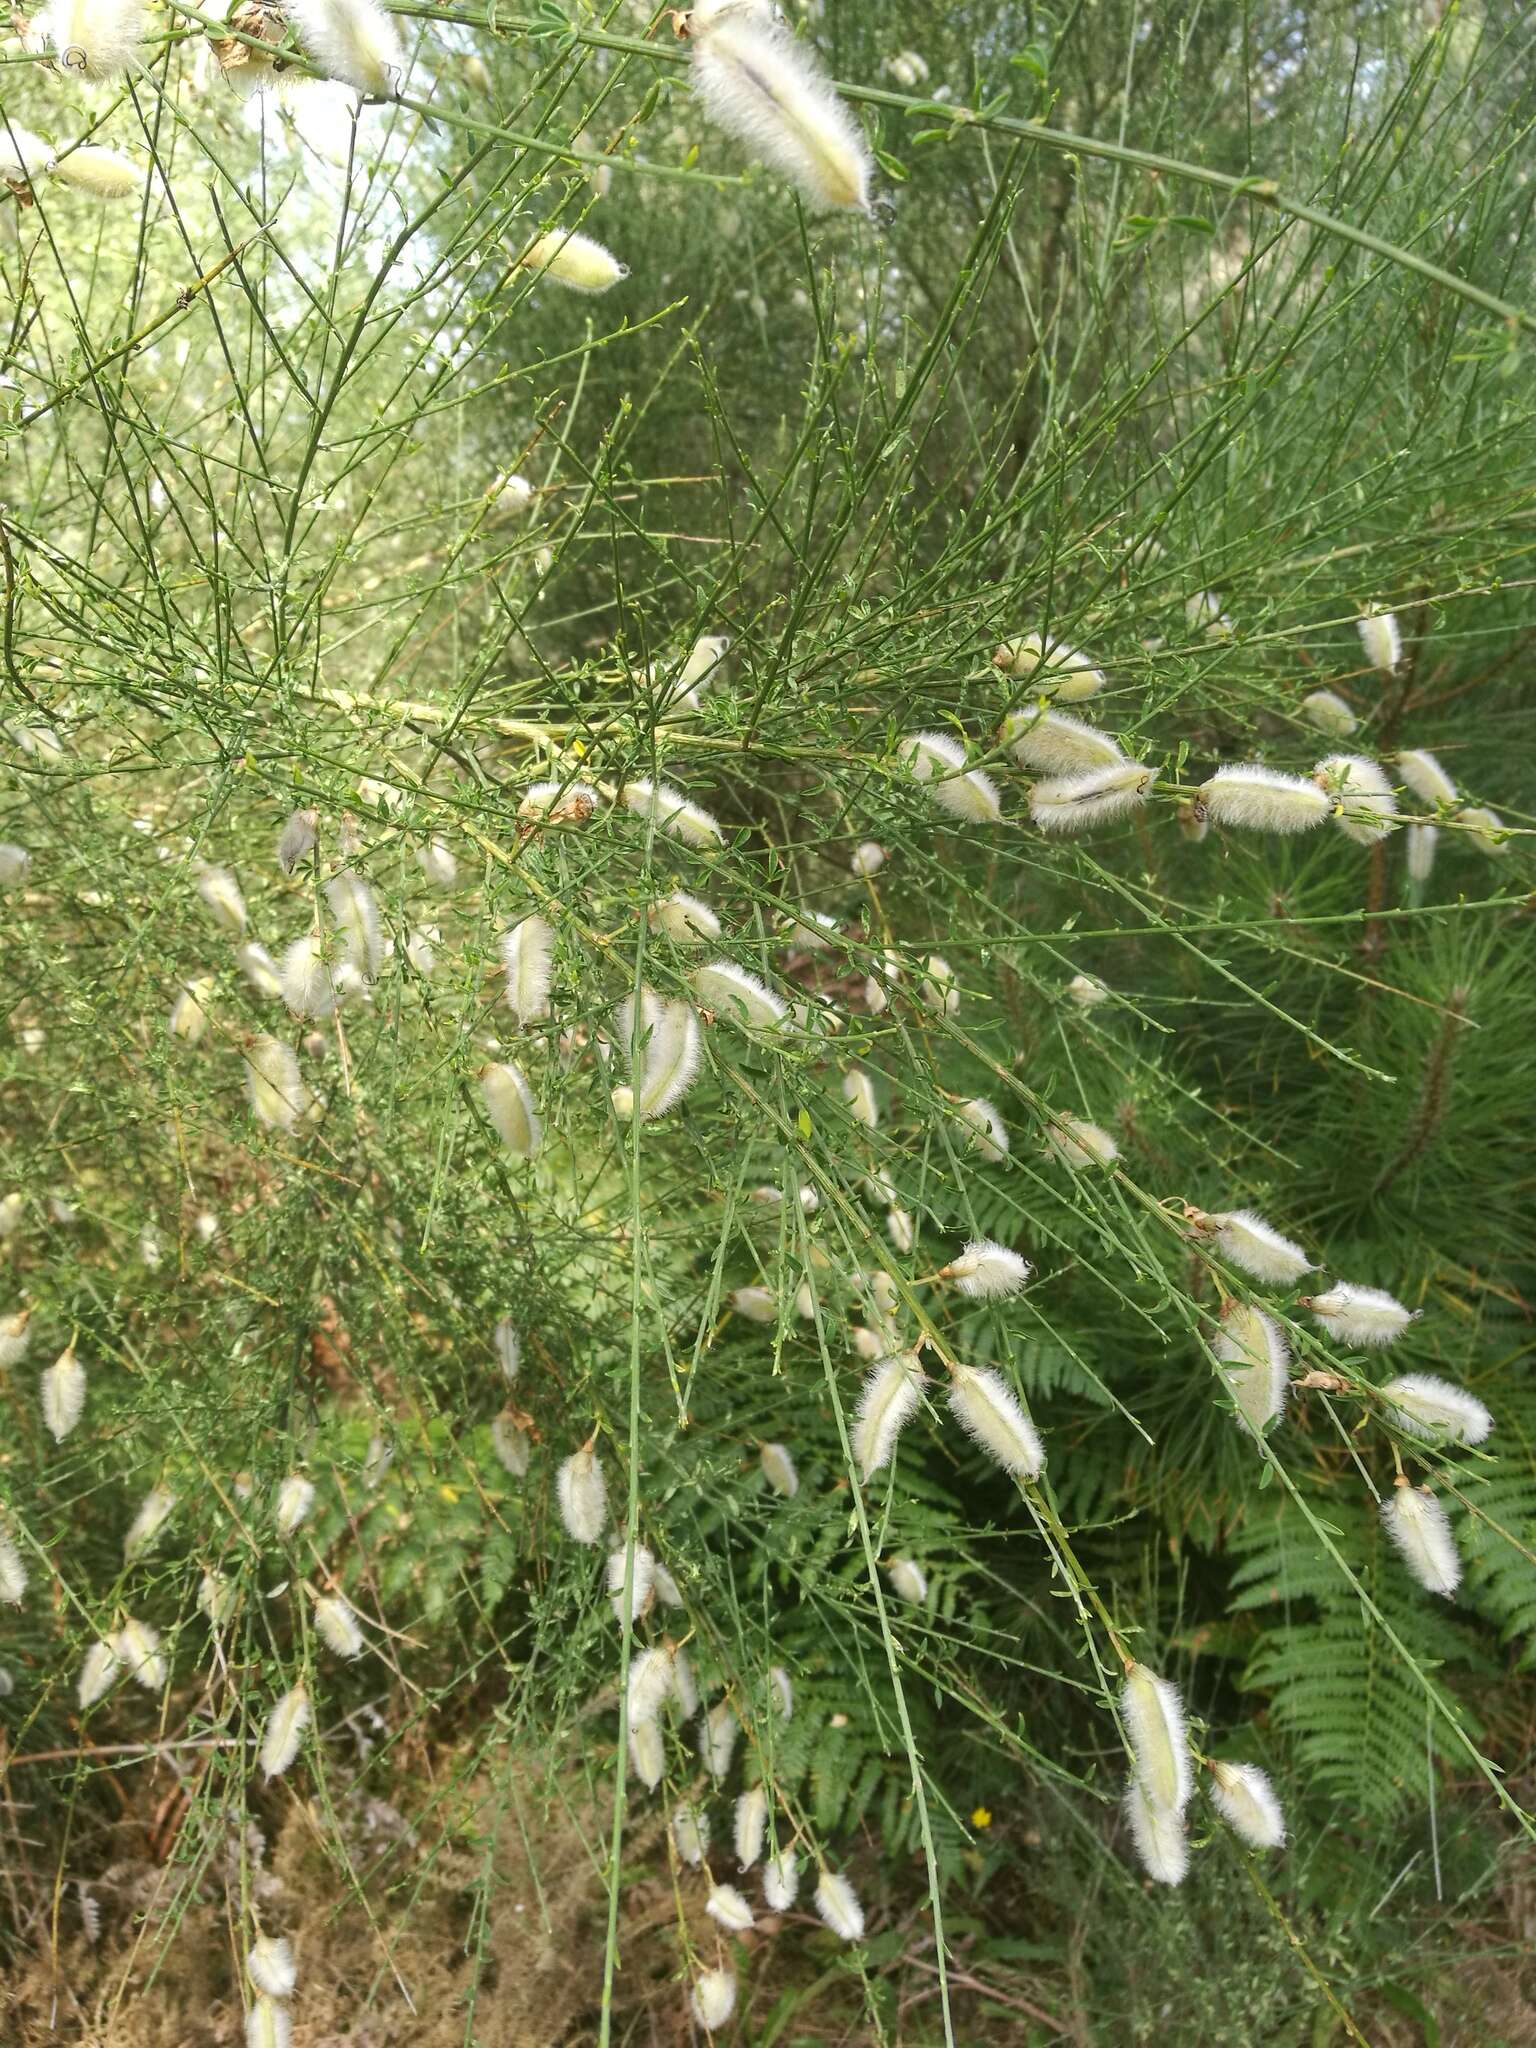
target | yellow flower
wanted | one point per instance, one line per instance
(981, 1818)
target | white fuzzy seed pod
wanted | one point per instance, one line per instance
(672, 812)
(670, 1065)
(189, 1012)
(1051, 743)
(648, 1753)
(717, 1739)
(98, 1674)
(15, 1336)
(642, 1583)
(353, 41)
(1380, 639)
(1422, 840)
(1245, 1799)
(781, 1881)
(221, 893)
(1074, 803)
(278, 1095)
(1154, 1724)
(559, 802)
(988, 1411)
(651, 1682)
(270, 1966)
(1243, 1236)
(1249, 798)
(967, 795)
(1363, 1316)
(137, 1648)
(1078, 1144)
(510, 1107)
(438, 863)
(307, 983)
(527, 954)
(1255, 1361)
(750, 1826)
(1366, 807)
(1158, 1833)
(732, 992)
(284, 1732)
(216, 1598)
(869, 858)
(1326, 711)
(988, 1132)
(508, 1346)
(1422, 773)
(985, 1270)
(92, 38)
(295, 1502)
(1485, 829)
(1055, 669)
(577, 261)
(779, 1470)
(728, 1909)
(684, 919)
(63, 1390)
(859, 1094)
(1421, 1529)
(510, 1442)
(763, 86)
(690, 1834)
(356, 911)
(260, 970)
(838, 1906)
(13, 1573)
(1087, 990)
(909, 1581)
(1436, 1410)
(337, 1626)
(713, 1998)
(583, 1496)
(297, 839)
(143, 1531)
(268, 2025)
(901, 1229)
(889, 1400)
(757, 1304)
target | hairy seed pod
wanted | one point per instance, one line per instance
(781, 1881)
(757, 1304)
(189, 1012)
(284, 1732)
(671, 811)
(967, 795)
(577, 261)
(642, 1577)
(270, 1966)
(295, 1501)
(104, 173)
(1051, 666)
(939, 992)
(221, 894)
(510, 1442)
(988, 1132)
(509, 1105)
(1052, 743)
(859, 1094)
(137, 1648)
(1204, 614)
(901, 1229)
(988, 1411)
(684, 919)
(583, 1494)
(1243, 1236)
(15, 865)
(732, 992)
(1078, 1144)
(1249, 798)
(670, 1065)
(278, 1094)
(356, 911)
(1158, 1832)
(15, 1336)
(908, 1580)
(559, 802)
(1326, 711)
(779, 1470)
(1366, 809)
(651, 1681)
(765, 88)
(98, 1674)
(1362, 1316)
(888, 1402)
(838, 1906)
(308, 984)
(216, 1599)
(1245, 1799)
(750, 1826)
(1154, 1724)
(869, 857)
(648, 1753)
(297, 839)
(1422, 773)
(92, 38)
(143, 1531)
(1074, 803)
(1421, 1529)
(508, 1346)
(1486, 830)
(1422, 840)
(63, 1390)
(1087, 990)
(717, 1739)
(260, 970)
(690, 1833)
(1380, 639)
(1436, 1410)
(713, 1998)
(337, 1626)
(527, 954)
(986, 1269)
(728, 1909)
(352, 41)
(1255, 1360)
(13, 1573)
(438, 863)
